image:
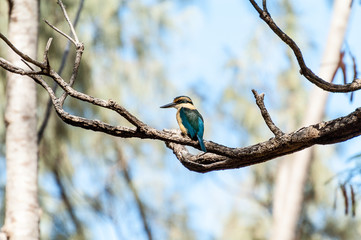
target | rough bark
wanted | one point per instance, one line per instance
(22, 210)
(292, 173)
(218, 156)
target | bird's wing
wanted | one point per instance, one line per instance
(201, 143)
(192, 121)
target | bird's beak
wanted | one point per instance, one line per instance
(168, 105)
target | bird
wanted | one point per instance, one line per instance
(190, 121)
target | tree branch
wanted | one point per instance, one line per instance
(334, 131)
(21, 54)
(68, 21)
(79, 49)
(267, 118)
(218, 156)
(61, 32)
(60, 71)
(305, 71)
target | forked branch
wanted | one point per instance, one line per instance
(305, 71)
(218, 156)
(267, 118)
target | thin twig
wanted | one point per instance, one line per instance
(11, 68)
(68, 20)
(21, 54)
(267, 118)
(46, 53)
(345, 197)
(264, 3)
(79, 53)
(60, 71)
(61, 32)
(27, 64)
(353, 201)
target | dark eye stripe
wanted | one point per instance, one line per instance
(182, 99)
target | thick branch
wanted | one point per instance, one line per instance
(334, 131)
(312, 77)
(218, 156)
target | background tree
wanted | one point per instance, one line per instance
(22, 212)
(292, 174)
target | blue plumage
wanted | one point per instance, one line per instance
(190, 121)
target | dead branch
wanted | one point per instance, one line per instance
(218, 156)
(305, 71)
(267, 118)
(49, 105)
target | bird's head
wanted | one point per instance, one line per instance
(181, 101)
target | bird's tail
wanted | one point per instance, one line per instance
(201, 143)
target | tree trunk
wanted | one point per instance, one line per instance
(22, 209)
(292, 174)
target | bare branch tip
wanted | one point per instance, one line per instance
(48, 44)
(256, 95)
(50, 40)
(46, 53)
(68, 21)
(266, 116)
(254, 92)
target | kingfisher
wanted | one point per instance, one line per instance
(190, 121)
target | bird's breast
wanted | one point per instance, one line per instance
(180, 123)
